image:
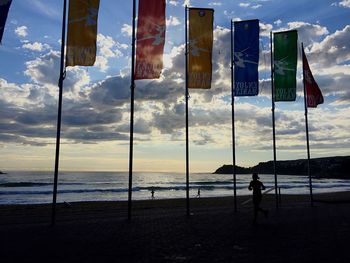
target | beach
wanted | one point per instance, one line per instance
(160, 231)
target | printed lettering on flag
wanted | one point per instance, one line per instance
(285, 65)
(200, 48)
(4, 9)
(150, 39)
(246, 58)
(313, 92)
(82, 32)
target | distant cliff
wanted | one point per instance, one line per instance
(330, 167)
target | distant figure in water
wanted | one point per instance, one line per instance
(199, 193)
(257, 186)
(152, 193)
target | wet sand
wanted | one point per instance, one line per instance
(160, 231)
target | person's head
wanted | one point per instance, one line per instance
(255, 176)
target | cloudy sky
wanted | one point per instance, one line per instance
(95, 131)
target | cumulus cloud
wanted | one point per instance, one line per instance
(345, 3)
(307, 33)
(173, 2)
(173, 21)
(334, 49)
(36, 46)
(278, 22)
(126, 30)
(44, 70)
(108, 48)
(21, 31)
(99, 111)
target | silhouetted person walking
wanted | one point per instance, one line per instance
(199, 193)
(152, 193)
(257, 186)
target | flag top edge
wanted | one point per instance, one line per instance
(242, 21)
(198, 8)
(287, 31)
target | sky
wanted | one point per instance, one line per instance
(96, 103)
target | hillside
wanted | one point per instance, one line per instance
(330, 167)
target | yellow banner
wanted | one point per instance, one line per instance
(82, 31)
(200, 48)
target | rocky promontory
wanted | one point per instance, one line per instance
(326, 167)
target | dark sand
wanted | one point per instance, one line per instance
(161, 232)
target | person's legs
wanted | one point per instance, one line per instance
(256, 209)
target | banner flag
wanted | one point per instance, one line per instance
(151, 27)
(4, 9)
(313, 92)
(246, 58)
(200, 48)
(285, 65)
(82, 32)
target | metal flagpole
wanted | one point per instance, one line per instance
(273, 121)
(307, 132)
(187, 143)
(233, 125)
(132, 99)
(59, 114)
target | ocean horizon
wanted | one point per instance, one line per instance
(36, 187)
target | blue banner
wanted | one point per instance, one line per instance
(4, 9)
(246, 58)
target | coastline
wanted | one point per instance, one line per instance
(160, 231)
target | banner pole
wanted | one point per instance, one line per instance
(132, 99)
(273, 122)
(187, 140)
(307, 132)
(59, 114)
(233, 126)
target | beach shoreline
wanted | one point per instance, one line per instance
(160, 231)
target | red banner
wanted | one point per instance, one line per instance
(313, 92)
(150, 39)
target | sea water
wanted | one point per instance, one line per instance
(18, 187)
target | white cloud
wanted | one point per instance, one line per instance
(333, 49)
(102, 63)
(126, 30)
(36, 46)
(256, 6)
(244, 5)
(229, 14)
(307, 33)
(186, 2)
(21, 31)
(265, 29)
(215, 4)
(173, 21)
(108, 47)
(345, 3)
(278, 22)
(173, 2)
(44, 70)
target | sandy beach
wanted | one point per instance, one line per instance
(161, 232)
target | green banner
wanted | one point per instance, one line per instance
(285, 57)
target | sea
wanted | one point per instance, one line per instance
(19, 187)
